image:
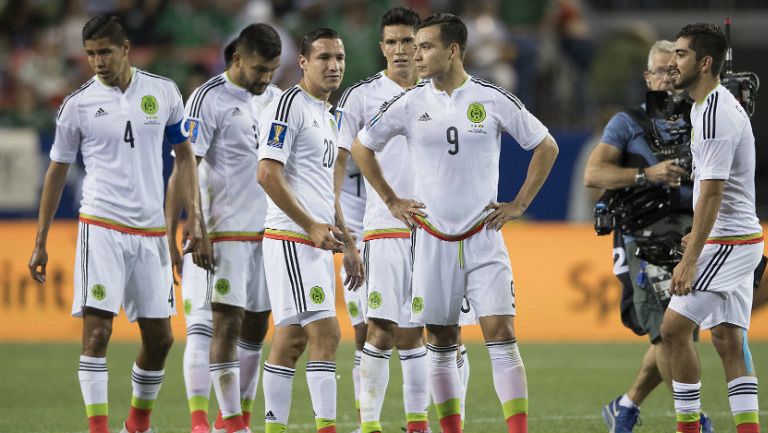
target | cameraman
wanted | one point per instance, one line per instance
(625, 158)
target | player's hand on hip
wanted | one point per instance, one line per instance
(326, 237)
(37, 264)
(682, 277)
(501, 213)
(406, 210)
(665, 172)
(353, 266)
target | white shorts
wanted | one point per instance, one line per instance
(444, 273)
(723, 287)
(355, 306)
(389, 269)
(238, 278)
(300, 279)
(114, 269)
(467, 316)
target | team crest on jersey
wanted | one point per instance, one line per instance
(193, 130)
(476, 112)
(149, 105)
(277, 135)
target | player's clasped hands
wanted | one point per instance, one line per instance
(501, 214)
(666, 172)
(406, 210)
(326, 237)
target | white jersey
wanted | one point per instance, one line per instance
(357, 106)
(352, 200)
(120, 135)
(723, 148)
(299, 131)
(222, 120)
(456, 143)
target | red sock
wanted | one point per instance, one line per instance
(416, 426)
(518, 423)
(748, 427)
(100, 424)
(138, 420)
(328, 429)
(219, 423)
(688, 427)
(246, 418)
(234, 424)
(451, 423)
(199, 417)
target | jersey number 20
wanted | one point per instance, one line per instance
(329, 154)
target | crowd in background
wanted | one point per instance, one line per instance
(542, 50)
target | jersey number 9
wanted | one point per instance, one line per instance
(452, 135)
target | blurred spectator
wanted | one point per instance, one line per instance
(490, 51)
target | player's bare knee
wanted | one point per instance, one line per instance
(96, 340)
(381, 333)
(409, 338)
(255, 326)
(728, 342)
(441, 335)
(497, 328)
(361, 335)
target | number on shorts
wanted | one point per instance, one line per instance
(620, 265)
(171, 298)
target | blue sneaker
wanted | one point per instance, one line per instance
(706, 424)
(620, 419)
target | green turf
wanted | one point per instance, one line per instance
(568, 383)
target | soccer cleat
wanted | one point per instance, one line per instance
(706, 424)
(224, 430)
(201, 428)
(620, 419)
(125, 430)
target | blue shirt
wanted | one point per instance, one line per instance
(623, 133)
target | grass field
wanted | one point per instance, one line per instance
(568, 383)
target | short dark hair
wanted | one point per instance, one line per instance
(313, 35)
(452, 29)
(400, 16)
(261, 39)
(707, 40)
(105, 26)
(229, 52)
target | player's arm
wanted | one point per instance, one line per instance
(704, 216)
(53, 186)
(173, 207)
(187, 188)
(272, 180)
(353, 263)
(544, 155)
(604, 171)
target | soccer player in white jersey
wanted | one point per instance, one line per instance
(387, 252)
(352, 199)
(222, 119)
(297, 151)
(712, 285)
(453, 126)
(118, 120)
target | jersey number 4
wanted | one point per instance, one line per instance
(128, 135)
